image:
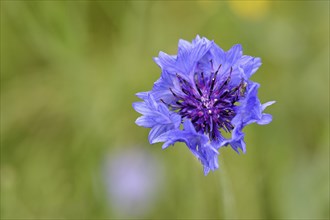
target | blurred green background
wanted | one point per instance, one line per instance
(69, 72)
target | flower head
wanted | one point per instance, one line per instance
(209, 92)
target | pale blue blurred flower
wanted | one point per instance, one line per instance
(133, 181)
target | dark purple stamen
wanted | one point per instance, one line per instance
(209, 103)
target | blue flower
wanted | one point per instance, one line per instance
(209, 92)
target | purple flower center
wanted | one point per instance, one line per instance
(208, 101)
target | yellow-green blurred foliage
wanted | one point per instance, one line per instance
(69, 72)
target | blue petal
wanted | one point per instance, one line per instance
(190, 54)
(234, 54)
(218, 55)
(176, 119)
(142, 95)
(166, 61)
(206, 170)
(197, 143)
(265, 105)
(196, 40)
(156, 116)
(249, 111)
(200, 48)
(265, 119)
(237, 140)
(146, 121)
(209, 158)
(249, 65)
(188, 135)
(158, 130)
(169, 138)
(161, 87)
(188, 126)
(142, 108)
(184, 46)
